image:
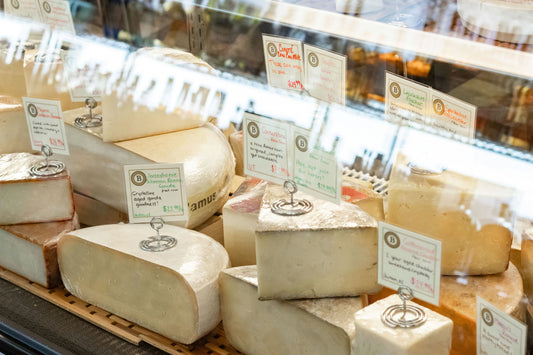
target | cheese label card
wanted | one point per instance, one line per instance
(45, 124)
(325, 74)
(28, 9)
(405, 99)
(57, 15)
(452, 115)
(156, 190)
(409, 259)
(79, 87)
(265, 148)
(314, 171)
(497, 332)
(284, 62)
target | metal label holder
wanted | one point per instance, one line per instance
(158, 243)
(89, 120)
(294, 207)
(404, 315)
(48, 167)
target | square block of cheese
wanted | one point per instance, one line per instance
(32, 199)
(14, 136)
(467, 215)
(372, 336)
(172, 292)
(240, 219)
(331, 251)
(30, 250)
(318, 326)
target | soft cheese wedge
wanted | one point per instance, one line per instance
(373, 337)
(172, 292)
(97, 167)
(331, 251)
(240, 219)
(30, 250)
(31, 199)
(319, 326)
(458, 302)
(467, 215)
(128, 118)
(14, 136)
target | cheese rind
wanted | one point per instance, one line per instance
(32, 199)
(173, 292)
(30, 250)
(328, 252)
(97, 167)
(319, 326)
(434, 336)
(14, 135)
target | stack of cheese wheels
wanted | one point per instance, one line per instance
(35, 212)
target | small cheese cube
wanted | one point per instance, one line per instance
(32, 199)
(172, 292)
(331, 251)
(14, 136)
(319, 326)
(372, 336)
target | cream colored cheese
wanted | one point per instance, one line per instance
(14, 135)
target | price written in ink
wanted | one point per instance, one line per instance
(284, 62)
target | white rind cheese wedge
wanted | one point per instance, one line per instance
(172, 292)
(331, 251)
(464, 213)
(12, 74)
(373, 337)
(30, 250)
(240, 219)
(319, 326)
(32, 199)
(14, 136)
(127, 118)
(97, 167)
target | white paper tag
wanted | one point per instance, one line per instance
(452, 115)
(266, 154)
(314, 171)
(28, 9)
(325, 74)
(497, 332)
(45, 124)
(284, 62)
(156, 190)
(57, 15)
(405, 99)
(409, 259)
(78, 88)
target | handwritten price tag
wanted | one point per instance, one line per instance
(45, 124)
(156, 190)
(497, 332)
(266, 148)
(405, 99)
(54, 13)
(28, 9)
(284, 62)
(452, 115)
(409, 259)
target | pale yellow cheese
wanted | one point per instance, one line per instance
(14, 135)
(12, 74)
(362, 194)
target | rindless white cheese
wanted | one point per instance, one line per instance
(14, 136)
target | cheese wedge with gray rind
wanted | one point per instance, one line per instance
(30, 250)
(32, 199)
(14, 136)
(97, 167)
(127, 118)
(172, 292)
(373, 337)
(331, 251)
(467, 215)
(271, 327)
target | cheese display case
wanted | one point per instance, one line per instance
(266, 177)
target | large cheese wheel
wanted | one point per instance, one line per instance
(172, 292)
(97, 167)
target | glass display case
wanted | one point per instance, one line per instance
(412, 120)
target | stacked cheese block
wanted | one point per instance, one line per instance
(34, 214)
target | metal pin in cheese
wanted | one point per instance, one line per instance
(240, 219)
(466, 214)
(14, 136)
(172, 292)
(319, 326)
(12, 74)
(331, 251)
(97, 167)
(30, 250)
(373, 337)
(32, 199)
(127, 118)
(458, 302)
